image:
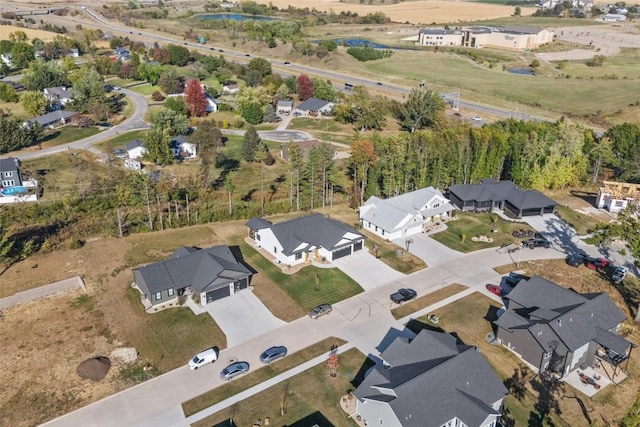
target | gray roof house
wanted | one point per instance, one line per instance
(135, 148)
(123, 53)
(10, 172)
(556, 329)
(432, 380)
(58, 96)
(406, 214)
(284, 106)
(490, 194)
(211, 273)
(315, 106)
(308, 238)
(52, 118)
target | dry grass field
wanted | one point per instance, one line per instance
(46, 36)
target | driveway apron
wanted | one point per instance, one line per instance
(366, 270)
(429, 250)
(242, 316)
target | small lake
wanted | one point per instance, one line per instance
(236, 17)
(521, 71)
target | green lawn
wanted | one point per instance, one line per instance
(418, 304)
(120, 140)
(467, 319)
(255, 377)
(387, 252)
(334, 285)
(66, 134)
(324, 128)
(470, 225)
(145, 89)
(312, 393)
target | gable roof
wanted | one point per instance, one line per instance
(285, 103)
(256, 223)
(133, 144)
(312, 104)
(62, 92)
(202, 269)
(452, 380)
(52, 117)
(10, 164)
(491, 190)
(389, 214)
(551, 312)
(312, 230)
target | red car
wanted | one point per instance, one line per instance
(495, 289)
(596, 263)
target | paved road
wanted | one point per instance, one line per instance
(135, 121)
(364, 320)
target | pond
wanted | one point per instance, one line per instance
(521, 71)
(236, 17)
(359, 42)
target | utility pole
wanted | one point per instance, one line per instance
(146, 190)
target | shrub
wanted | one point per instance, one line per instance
(157, 96)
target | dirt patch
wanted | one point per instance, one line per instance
(94, 369)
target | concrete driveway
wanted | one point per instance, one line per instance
(429, 250)
(368, 271)
(242, 317)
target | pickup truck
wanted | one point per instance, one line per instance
(403, 295)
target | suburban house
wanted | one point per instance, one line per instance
(73, 53)
(551, 4)
(10, 172)
(6, 58)
(211, 273)
(559, 330)
(512, 37)
(58, 96)
(306, 147)
(135, 149)
(123, 54)
(52, 119)
(284, 106)
(504, 195)
(611, 17)
(308, 238)
(212, 104)
(314, 107)
(616, 196)
(181, 147)
(230, 88)
(406, 214)
(433, 380)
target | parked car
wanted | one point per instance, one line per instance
(320, 310)
(574, 260)
(120, 153)
(476, 118)
(513, 280)
(287, 64)
(379, 83)
(117, 88)
(495, 289)
(273, 353)
(619, 273)
(596, 263)
(403, 295)
(536, 242)
(209, 355)
(220, 50)
(297, 114)
(233, 370)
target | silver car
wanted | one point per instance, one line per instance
(233, 370)
(320, 310)
(273, 353)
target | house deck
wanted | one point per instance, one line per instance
(602, 375)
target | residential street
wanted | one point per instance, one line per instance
(362, 320)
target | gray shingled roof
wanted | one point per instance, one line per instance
(61, 92)
(256, 223)
(10, 164)
(52, 117)
(312, 104)
(491, 190)
(204, 270)
(134, 143)
(315, 230)
(458, 383)
(437, 31)
(559, 313)
(285, 103)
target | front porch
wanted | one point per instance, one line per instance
(286, 269)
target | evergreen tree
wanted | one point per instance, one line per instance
(250, 144)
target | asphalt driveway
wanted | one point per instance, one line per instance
(368, 271)
(242, 317)
(429, 250)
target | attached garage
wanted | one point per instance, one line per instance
(357, 246)
(218, 294)
(339, 253)
(241, 284)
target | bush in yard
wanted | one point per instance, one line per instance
(157, 96)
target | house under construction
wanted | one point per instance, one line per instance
(616, 196)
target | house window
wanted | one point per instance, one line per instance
(8, 183)
(258, 237)
(8, 174)
(298, 256)
(547, 354)
(158, 296)
(170, 292)
(275, 250)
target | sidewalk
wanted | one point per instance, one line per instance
(262, 386)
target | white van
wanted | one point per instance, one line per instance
(207, 356)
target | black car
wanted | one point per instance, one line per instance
(403, 295)
(537, 242)
(574, 260)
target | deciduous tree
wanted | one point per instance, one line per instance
(33, 103)
(40, 75)
(177, 104)
(363, 156)
(304, 88)
(195, 99)
(169, 82)
(423, 108)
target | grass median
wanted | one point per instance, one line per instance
(425, 301)
(258, 376)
